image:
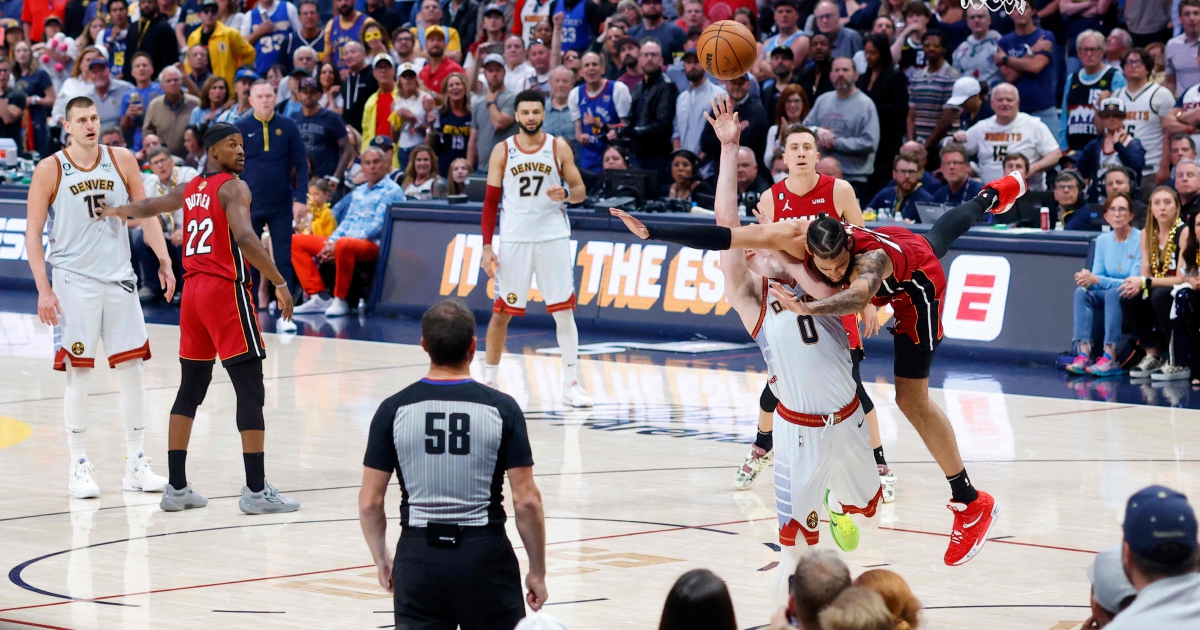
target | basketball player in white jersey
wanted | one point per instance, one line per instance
(535, 173)
(93, 294)
(803, 195)
(824, 454)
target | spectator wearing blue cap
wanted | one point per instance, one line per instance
(244, 78)
(1159, 556)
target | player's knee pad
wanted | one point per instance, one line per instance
(193, 387)
(767, 401)
(247, 379)
(864, 400)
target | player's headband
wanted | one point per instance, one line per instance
(219, 132)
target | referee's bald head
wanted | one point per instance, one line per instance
(448, 333)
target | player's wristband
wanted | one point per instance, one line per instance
(280, 286)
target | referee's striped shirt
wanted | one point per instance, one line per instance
(449, 443)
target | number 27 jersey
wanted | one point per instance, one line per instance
(208, 244)
(527, 214)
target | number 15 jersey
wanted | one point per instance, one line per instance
(527, 214)
(79, 242)
(208, 245)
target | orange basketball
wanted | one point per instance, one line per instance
(727, 49)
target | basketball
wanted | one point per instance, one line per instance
(727, 49)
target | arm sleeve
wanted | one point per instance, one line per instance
(299, 160)
(514, 451)
(1099, 266)
(245, 27)
(373, 230)
(381, 449)
(294, 18)
(1063, 118)
(491, 208)
(622, 99)
(1132, 155)
(339, 210)
(573, 104)
(712, 237)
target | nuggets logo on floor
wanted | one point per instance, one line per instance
(811, 521)
(512, 298)
(77, 348)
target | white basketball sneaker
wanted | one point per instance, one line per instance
(139, 477)
(887, 481)
(574, 395)
(314, 305)
(756, 462)
(80, 484)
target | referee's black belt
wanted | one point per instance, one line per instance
(450, 535)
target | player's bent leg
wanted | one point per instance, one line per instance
(195, 377)
(258, 496)
(138, 474)
(80, 483)
(497, 332)
(759, 456)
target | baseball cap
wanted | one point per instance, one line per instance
(299, 72)
(98, 60)
(787, 3)
(1108, 579)
(1160, 525)
(690, 53)
(309, 83)
(245, 73)
(382, 58)
(382, 142)
(783, 51)
(493, 58)
(52, 18)
(493, 8)
(407, 67)
(208, 3)
(435, 30)
(627, 41)
(964, 88)
(1112, 105)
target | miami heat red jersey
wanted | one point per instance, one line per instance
(917, 288)
(208, 245)
(789, 205)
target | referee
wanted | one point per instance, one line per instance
(450, 440)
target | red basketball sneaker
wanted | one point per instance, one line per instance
(972, 523)
(1010, 188)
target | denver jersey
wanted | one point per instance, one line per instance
(208, 245)
(1143, 119)
(80, 243)
(807, 356)
(527, 214)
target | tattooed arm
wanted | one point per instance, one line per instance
(870, 268)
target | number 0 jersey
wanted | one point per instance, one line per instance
(80, 243)
(208, 245)
(527, 214)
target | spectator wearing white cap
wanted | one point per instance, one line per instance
(1115, 147)
(1159, 556)
(493, 117)
(379, 117)
(1111, 590)
(976, 57)
(409, 108)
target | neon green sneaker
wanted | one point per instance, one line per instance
(845, 532)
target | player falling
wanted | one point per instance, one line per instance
(217, 316)
(824, 455)
(893, 266)
(535, 173)
(93, 294)
(803, 195)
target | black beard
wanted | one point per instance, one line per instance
(694, 76)
(631, 62)
(347, 11)
(525, 130)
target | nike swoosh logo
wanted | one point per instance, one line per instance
(249, 135)
(973, 523)
(860, 422)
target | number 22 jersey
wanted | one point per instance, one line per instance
(527, 214)
(208, 245)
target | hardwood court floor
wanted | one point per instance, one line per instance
(636, 492)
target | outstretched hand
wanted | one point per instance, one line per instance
(635, 226)
(725, 124)
(789, 300)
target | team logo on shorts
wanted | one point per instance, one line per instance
(77, 348)
(812, 521)
(512, 298)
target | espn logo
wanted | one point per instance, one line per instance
(976, 292)
(12, 239)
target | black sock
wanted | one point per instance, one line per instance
(765, 441)
(961, 488)
(324, 295)
(989, 196)
(255, 473)
(879, 460)
(176, 467)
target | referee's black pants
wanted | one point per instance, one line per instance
(475, 586)
(280, 222)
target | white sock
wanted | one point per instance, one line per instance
(568, 343)
(75, 410)
(133, 391)
(834, 506)
(789, 557)
(490, 373)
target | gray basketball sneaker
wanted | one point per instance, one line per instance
(178, 500)
(269, 501)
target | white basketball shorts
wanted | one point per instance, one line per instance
(519, 262)
(93, 310)
(811, 460)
